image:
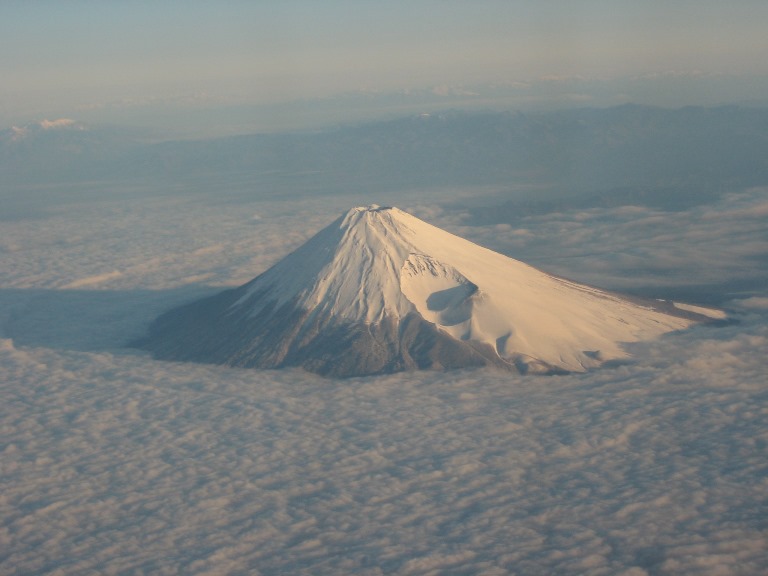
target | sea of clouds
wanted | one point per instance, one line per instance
(114, 463)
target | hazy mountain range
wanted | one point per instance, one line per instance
(626, 154)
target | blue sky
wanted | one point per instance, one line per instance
(72, 58)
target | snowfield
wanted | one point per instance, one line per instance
(114, 463)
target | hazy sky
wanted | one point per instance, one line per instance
(69, 58)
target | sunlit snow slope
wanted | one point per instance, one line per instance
(380, 290)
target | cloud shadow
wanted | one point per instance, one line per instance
(86, 320)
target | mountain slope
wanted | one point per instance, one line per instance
(381, 291)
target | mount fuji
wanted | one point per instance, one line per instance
(381, 291)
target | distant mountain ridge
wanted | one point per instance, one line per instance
(631, 150)
(381, 291)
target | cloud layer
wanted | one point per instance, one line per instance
(122, 463)
(115, 463)
(721, 246)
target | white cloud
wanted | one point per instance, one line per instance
(630, 246)
(58, 123)
(115, 463)
(18, 133)
(755, 302)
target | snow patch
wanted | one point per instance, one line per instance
(708, 312)
(440, 293)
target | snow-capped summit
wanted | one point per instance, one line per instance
(349, 270)
(379, 290)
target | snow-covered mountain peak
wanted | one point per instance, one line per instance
(350, 270)
(399, 293)
(369, 208)
(388, 222)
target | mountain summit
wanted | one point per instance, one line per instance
(381, 291)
